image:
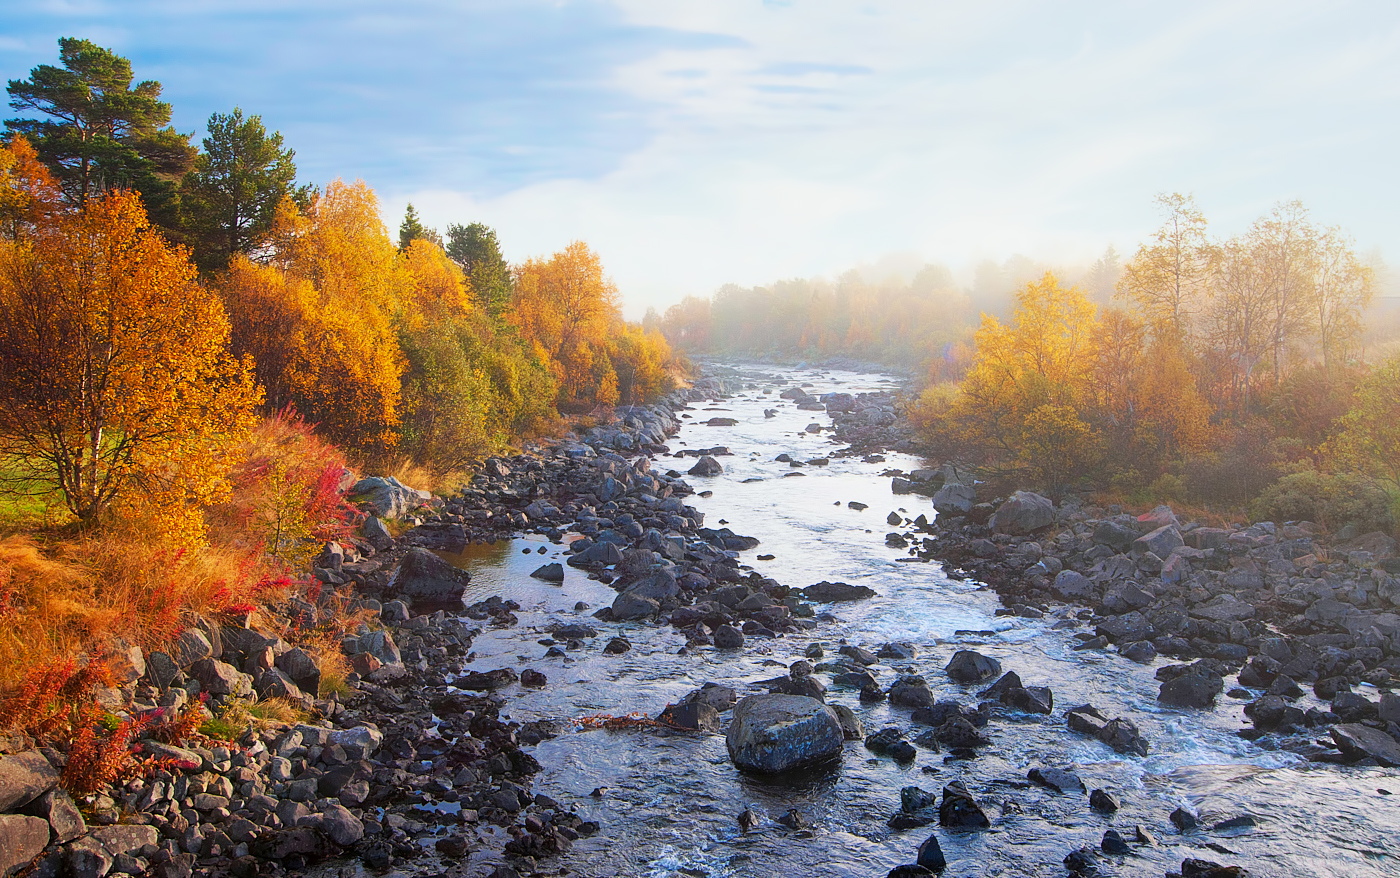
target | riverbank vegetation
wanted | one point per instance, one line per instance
(195, 349)
(1226, 373)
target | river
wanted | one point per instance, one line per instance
(667, 803)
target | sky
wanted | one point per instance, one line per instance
(699, 143)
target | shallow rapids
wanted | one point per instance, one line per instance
(667, 803)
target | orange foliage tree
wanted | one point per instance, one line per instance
(116, 380)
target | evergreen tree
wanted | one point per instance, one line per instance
(230, 199)
(101, 133)
(475, 248)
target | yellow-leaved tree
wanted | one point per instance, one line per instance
(319, 320)
(1023, 402)
(116, 382)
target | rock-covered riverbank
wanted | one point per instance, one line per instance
(417, 769)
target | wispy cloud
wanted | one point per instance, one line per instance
(698, 143)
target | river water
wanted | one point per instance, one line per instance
(667, 803)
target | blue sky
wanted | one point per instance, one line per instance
(698, 143)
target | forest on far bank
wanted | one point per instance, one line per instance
(1259, 370)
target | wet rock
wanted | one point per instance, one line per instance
(1104, 802)
(909, 870)
(1123, 736)
(1142, 652)
(911, 691)
(898, 651)
(630, 606)
(695, 716)
(1194, 690)
(21, 840)
(549, 572)
(1030, 699)
(1194, 868)
(1024, 512)
(835, 592)
(24, 777)
(858, 655)
(1082, 862)
(728, 637)
(617, 646)
(721, 698)
(1183, 820)
(795, 819)
(487, 681)
(706, 466)
(1358, 742)
(533, 678)
(958, 732)
(1057, 779)
(968, 667)
(773, 733)
(1114, 844)
(1086, 719)
(851, 727)
(959, 810)
(575, 631)
(429, 582)
(931, 855)
(747, 820)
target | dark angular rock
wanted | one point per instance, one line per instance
(549, 572)
(968, 667)
(429, 582)
(835, 592)
(1191, 690)
(1057, 779)
(774, 733)
(959, 810)
(931, 855)
(1104, 802)
(24, 777)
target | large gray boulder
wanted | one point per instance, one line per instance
(1159, 542)
(1024, 512)
(954, 499)
(429, 582)
(387, 497)
(706, 466)
(772, 733)
(24, 777)
(21, 840)
(1358, 742)
(834, 592)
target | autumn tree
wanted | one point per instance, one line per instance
(1342, 288)
(29, 196)
(229, 201)
(475, 248)
(567, 307)
(320, 319)
(97, 131)
(1368, 435)
(1166, 278)
(1024, 400)
(116, 383)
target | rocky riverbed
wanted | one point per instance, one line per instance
(1044, 732)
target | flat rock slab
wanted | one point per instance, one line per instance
(21, 840)
(1358, 742)
(24, 777)
(835, 592)
(1057, 779)
(773, 733)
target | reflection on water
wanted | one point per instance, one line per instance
(669, 803)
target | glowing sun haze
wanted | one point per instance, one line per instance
(698, 143)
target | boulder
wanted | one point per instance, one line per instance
(1358, 742)
(1160, 542)
(728, 637)
(1118, 537)
(931, 855)
(1196, 690)
(629, 606)
(1057, 779)
(429, 582)
(376, 534)
(550, 572)
(959, 810)
(191, 646)
(221, 678)
(954, 499)
(835, 592)
(911, 691)
(694, 716)
(772, 733)
(968, 667)
(387, 497)
(21, 840)
(706, 466)
(1024, 512)
(24, 777)
(58, 809)
(1072, 586)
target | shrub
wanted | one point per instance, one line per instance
(1333, 500)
